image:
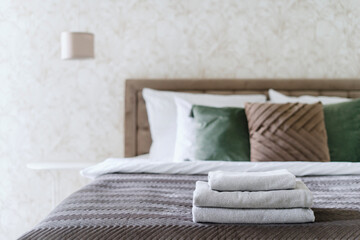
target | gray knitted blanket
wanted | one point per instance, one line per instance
(154, 206)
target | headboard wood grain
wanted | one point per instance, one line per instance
(137, 133)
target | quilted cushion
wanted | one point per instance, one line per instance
(287, 132)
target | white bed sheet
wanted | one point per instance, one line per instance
(143, 165)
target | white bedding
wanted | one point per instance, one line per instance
(137, 165)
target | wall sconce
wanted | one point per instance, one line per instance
(77, 45)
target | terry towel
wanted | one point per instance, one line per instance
(225, 215)
(252, 181)
(300, 197)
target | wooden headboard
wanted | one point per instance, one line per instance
(137, 133)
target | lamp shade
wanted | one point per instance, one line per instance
(77, 45)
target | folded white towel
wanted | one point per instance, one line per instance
(300, 197)
(252, 181)
(226, 215)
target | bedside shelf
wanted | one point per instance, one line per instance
(53, 168)
(58, 165)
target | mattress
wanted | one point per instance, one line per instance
(158, 206)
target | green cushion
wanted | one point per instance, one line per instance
(342, 121)
(221, 134)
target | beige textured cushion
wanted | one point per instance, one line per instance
(287, 132)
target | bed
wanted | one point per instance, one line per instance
(133, 198)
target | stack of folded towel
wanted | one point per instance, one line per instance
(252, 197)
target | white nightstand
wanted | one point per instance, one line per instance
(53, 168)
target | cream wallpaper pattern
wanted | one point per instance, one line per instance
(54, 110)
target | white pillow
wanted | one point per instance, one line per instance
(161, 110)
(277, 97)
(186, 126)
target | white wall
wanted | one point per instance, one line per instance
(54, 110)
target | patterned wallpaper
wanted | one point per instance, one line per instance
(54, 110)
